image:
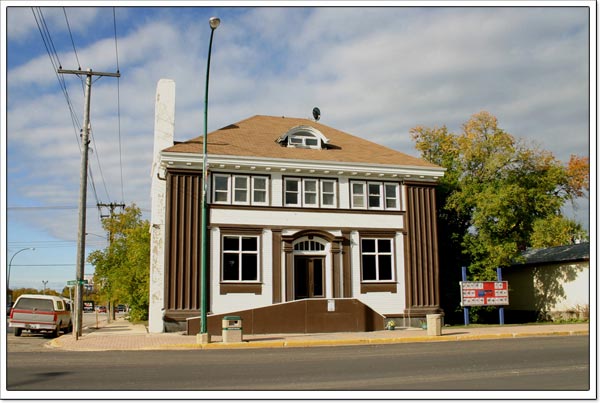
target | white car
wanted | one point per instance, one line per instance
(41, 313)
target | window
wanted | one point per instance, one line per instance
(241, 192)
(240, 258)
(303, 140)
(303, 136)
(358, 195)
(310, 192)
(292, 192)
(391, 196)
(240, 189)
(328, 193)
(377, 259)
(221, 188)
(375, 195)
(259, 190)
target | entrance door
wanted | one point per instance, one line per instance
(309, 277)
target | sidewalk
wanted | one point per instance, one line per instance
(120, 334)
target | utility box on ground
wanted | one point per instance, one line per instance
(434, 325)
(232, 329)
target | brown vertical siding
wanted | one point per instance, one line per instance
(182, 258)
(346, 263)
(276, 266)
(422, 265)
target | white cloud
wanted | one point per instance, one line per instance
(374, 72)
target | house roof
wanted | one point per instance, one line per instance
(557, 254)
(257, 137)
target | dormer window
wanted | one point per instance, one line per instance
(303, 137)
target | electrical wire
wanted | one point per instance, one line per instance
(72, 41)
(118, 105)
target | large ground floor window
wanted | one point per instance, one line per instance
(240, 258)
(377, 259)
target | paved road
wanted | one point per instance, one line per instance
(545, 363)
(29, 342)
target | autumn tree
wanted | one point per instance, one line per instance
(122, 269)
(499, 194)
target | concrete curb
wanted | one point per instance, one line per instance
(362, 341)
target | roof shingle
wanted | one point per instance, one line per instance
(257, 137)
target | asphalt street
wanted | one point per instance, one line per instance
(537, 363)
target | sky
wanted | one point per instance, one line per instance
(374, 72)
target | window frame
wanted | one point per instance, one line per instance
(377, 254)
(305, 192)
(250, 199)
(382, 196)
(234, 177)
(301, 181)
(214, 190)
(240, 252)
(322, 193)
(253, 190)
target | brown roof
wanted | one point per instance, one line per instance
(257, 137)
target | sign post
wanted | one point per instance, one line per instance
(501, 310)
(465, 308)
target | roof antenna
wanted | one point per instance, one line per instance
(316, 114)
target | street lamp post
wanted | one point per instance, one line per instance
(9, 264)
(204, 337)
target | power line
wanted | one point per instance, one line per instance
(56, 64)
(71, 35)
(118, 105)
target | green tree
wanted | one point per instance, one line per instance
(122, 269)
(499, 195)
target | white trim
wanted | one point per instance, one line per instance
(247, 189)
(215, 191)
(361, 168)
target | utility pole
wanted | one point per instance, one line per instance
(83, 192)
(110, 309)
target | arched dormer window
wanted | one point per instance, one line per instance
(304, 137)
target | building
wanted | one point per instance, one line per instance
(550, 284)
(309, 228)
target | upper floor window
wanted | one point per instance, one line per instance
(240, 189)
(375, 195)
(303, 137)
(310, 192)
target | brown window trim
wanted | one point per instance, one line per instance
(378, 287)
(241, 288)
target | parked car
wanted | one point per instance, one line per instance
(121, 308)
(9, 307)
(41, 313)
(88, 306)
(101, 309)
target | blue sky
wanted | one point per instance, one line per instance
(374, 72)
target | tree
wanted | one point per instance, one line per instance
(499, 195)
(123, 267)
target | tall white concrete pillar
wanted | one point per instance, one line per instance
(164, 130)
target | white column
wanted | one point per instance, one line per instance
(164, 128)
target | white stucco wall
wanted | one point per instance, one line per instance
(164, 129)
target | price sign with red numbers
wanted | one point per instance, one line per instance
(483, 293)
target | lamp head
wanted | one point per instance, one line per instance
(214, 22)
